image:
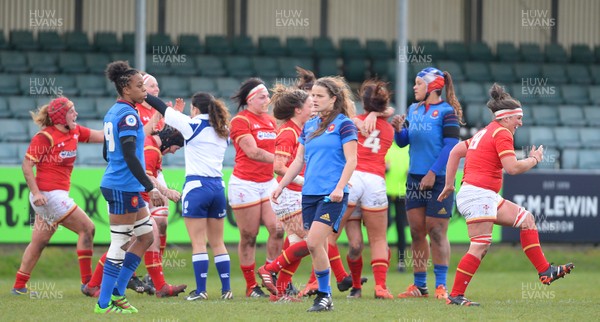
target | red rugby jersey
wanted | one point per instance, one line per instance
(483, 165)
(146, 114)
(153, 158)
(262, 129)
(286, 144)
(373, 148)
(54, 154)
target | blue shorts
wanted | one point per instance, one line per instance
(427, 199)
(204, 197)
(122, 202)
(329, 213)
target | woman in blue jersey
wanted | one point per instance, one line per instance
(206, 134)
(122, 183)
(431, 127)
(328, 146)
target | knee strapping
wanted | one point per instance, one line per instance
(119, 237)
(293, 238)
(484, 239)
(159, 211)
(142, 226)
(521, 216)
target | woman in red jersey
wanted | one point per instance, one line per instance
(52, 152)
(367, 201)
(253, 134)
(486, 154)
(292, 107)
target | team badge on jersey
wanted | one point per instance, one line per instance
(130, 120)
(331, 128)
(435, 114)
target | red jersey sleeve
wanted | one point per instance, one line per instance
(40, 145)
(286, 143)
(240, 127)
(84, 133)
(504, 142)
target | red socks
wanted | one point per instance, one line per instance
(85, 264)
(249, 275)
(163, 244)
(380, 269)
(356, 267)
(97, 277)
(21, 279)
(286, 243)
(285, 276)
(153, 262)
(292, 254)
(464, 272)
(530, 242)
(335, 261)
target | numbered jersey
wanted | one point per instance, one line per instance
(485, 150)
(373, 148)
(120, 121)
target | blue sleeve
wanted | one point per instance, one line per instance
(128, 125)
(348, 131)
(442, 159)
(401, 137)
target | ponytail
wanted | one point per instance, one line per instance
(451, 97)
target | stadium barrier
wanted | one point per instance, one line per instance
(16, 215)
(564, 204)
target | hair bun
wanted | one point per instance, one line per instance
(497, 92)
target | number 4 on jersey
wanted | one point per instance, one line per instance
(372, 141)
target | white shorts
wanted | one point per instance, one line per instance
(290, 204)
(477, 204)
(367, 192)
(244, 193)
(58, 207)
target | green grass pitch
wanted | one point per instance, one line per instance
(506, 285)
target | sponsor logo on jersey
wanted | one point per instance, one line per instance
(266, 135)
(131, 120)
(256, 126)
(325, 217)
(68, 154)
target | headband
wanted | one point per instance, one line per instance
(500, 114)
(256, 90)
(146, 77)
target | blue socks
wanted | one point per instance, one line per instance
(109, 278)
(440, 274)
(323, 280)
(200, 262)
(420, 279)
(130, 264)
(224, 269)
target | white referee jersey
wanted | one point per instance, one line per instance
(204, 149)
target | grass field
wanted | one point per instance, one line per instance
(506, 286)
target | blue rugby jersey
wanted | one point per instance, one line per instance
(122, 120)
(425, 135)
(324, 154)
